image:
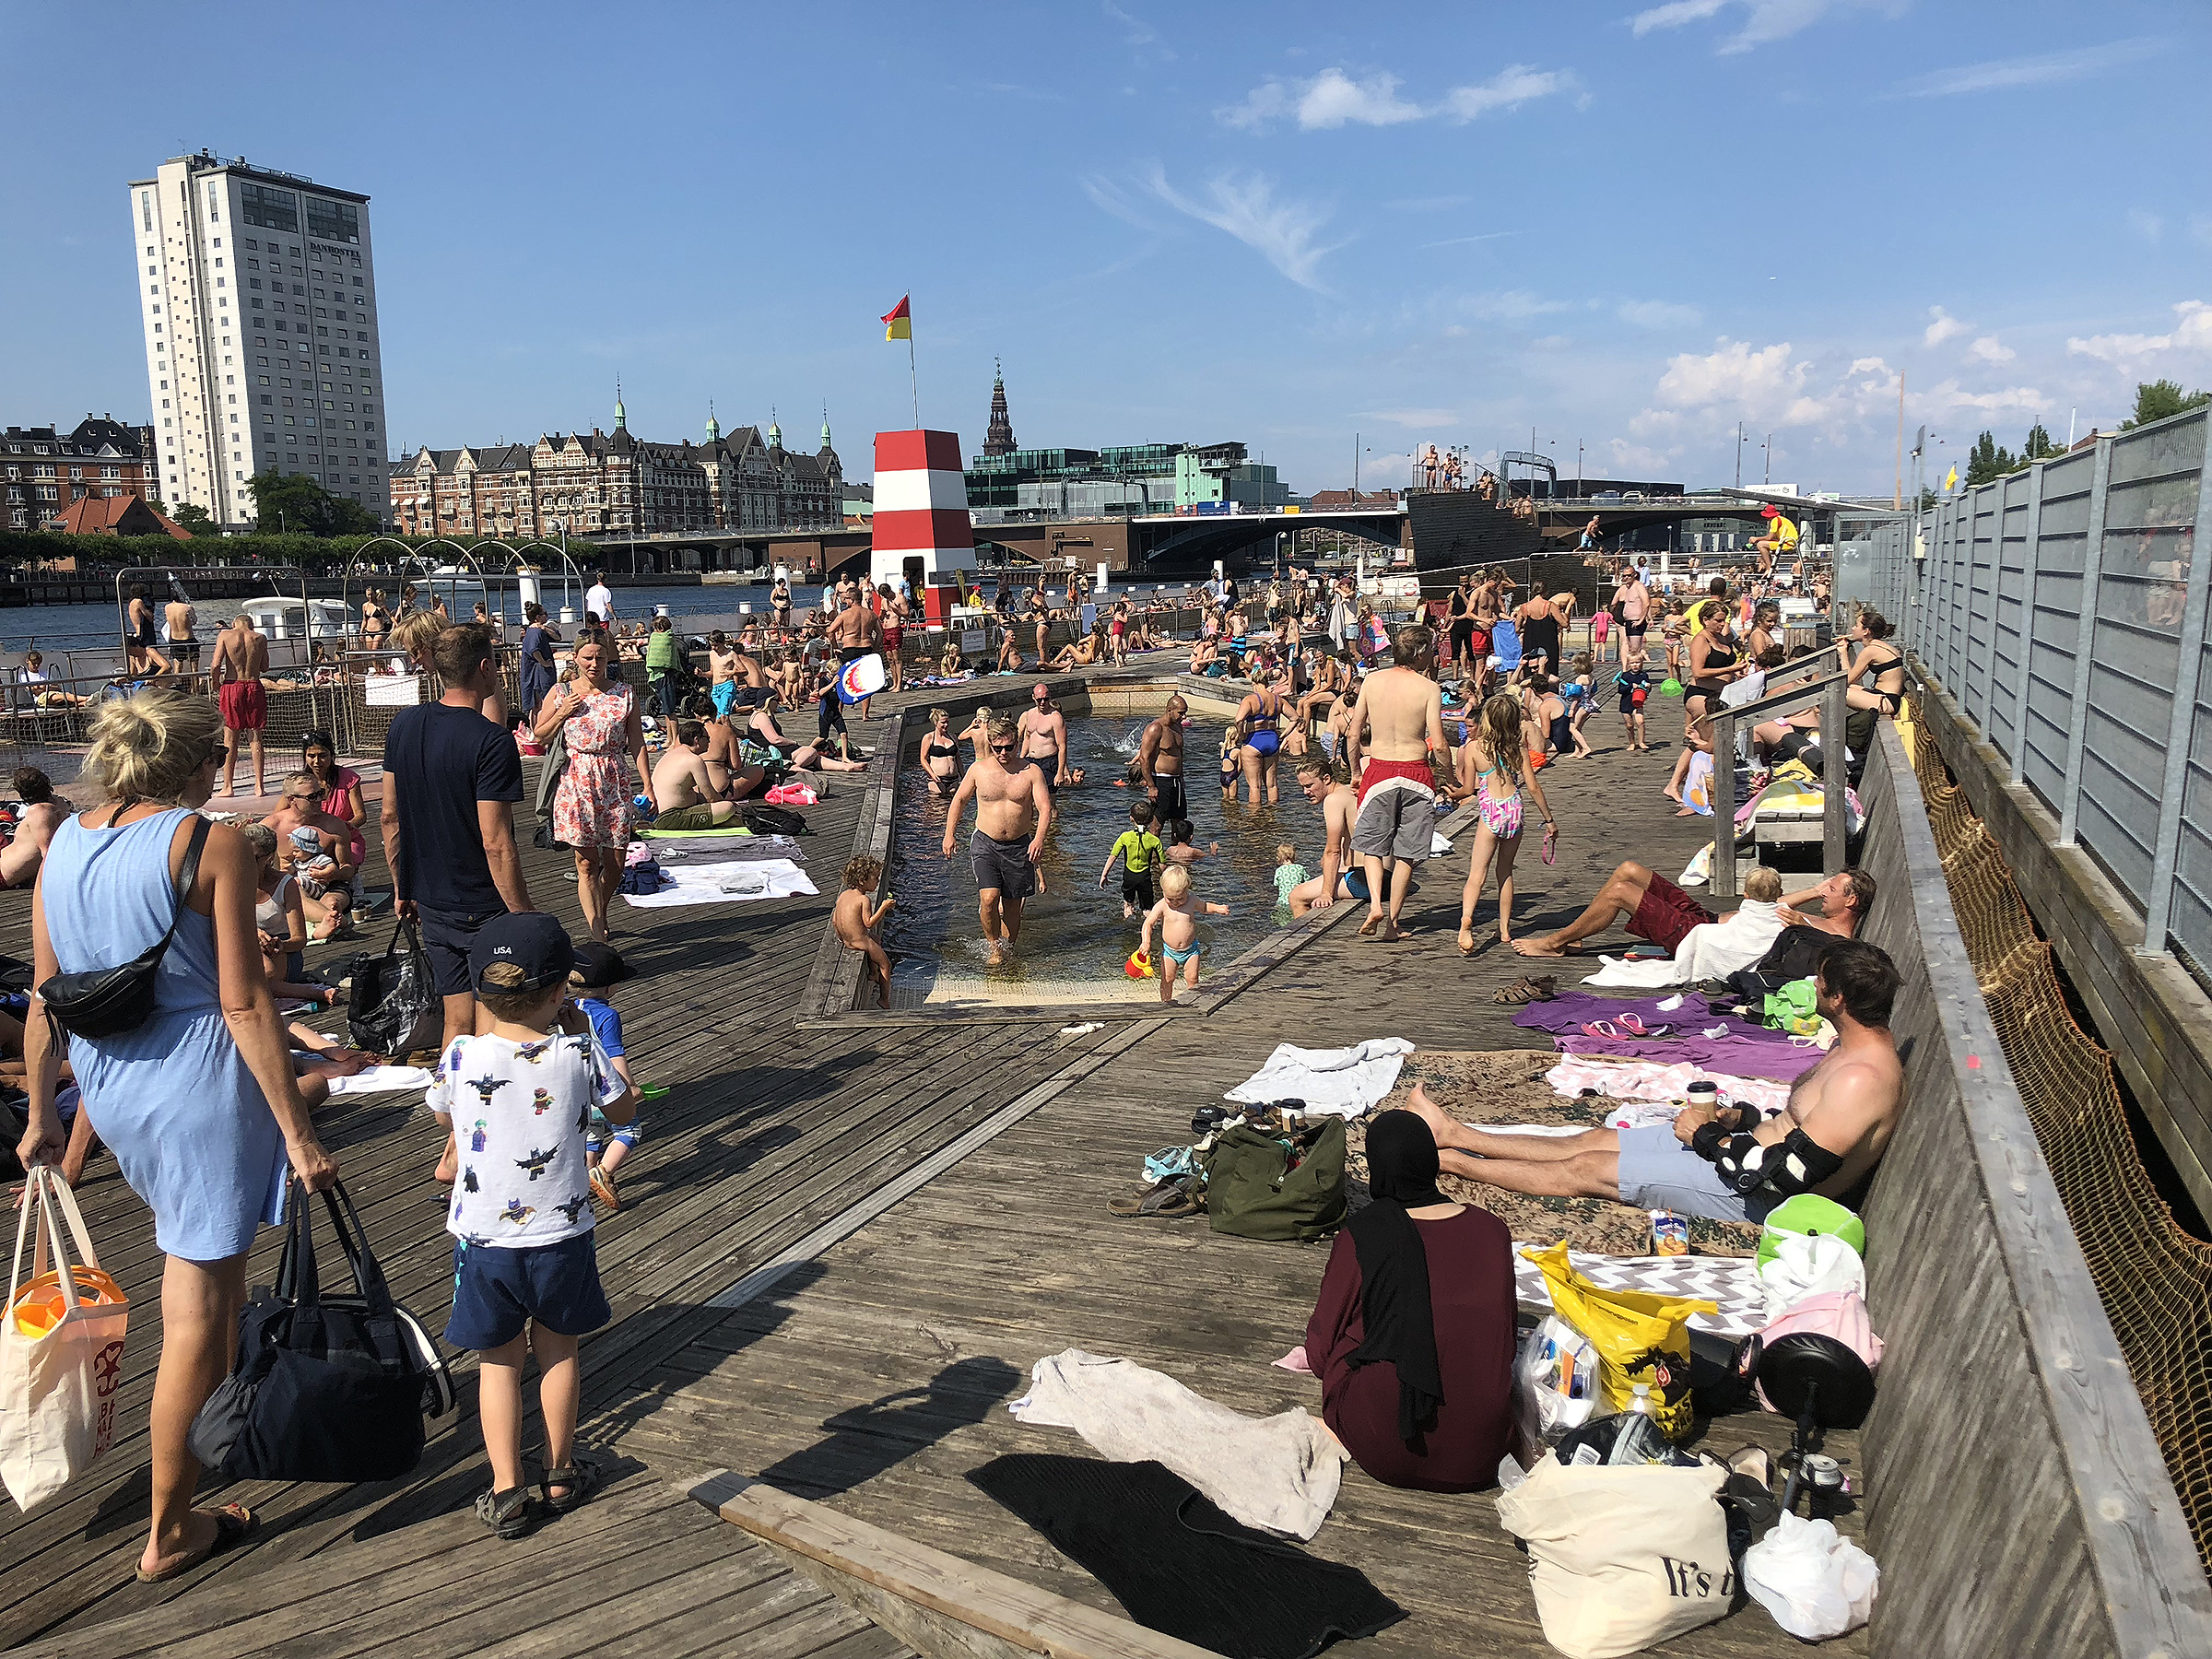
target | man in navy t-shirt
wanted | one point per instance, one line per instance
(450, 781)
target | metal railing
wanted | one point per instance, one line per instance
(1834, 820)
(2063, 609)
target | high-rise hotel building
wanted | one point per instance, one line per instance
(261, 352)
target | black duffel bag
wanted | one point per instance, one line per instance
(394, 1007)
(328, 1389)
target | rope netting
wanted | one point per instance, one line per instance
(2154, 1278)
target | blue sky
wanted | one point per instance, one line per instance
(1627, 226)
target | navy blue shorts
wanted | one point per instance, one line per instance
(447, 938)
(495, 1291)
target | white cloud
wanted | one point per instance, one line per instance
(1659, 313)
(2191, 332)
(1764, 381)
(1335, 98)
(1772, 389)
(1110, 197)
(1141, 33)
(1942, 326)
(1764, 22)
(2000, 75)
(1511, 87)
(1513, 306)
(1245, 206)
(1989, 349)
(2148, 225)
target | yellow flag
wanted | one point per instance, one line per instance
(1950, 479)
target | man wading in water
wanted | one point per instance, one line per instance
(1396, 726)
(1013, 810)
(1159, 758)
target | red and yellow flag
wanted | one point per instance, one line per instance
(898, 321)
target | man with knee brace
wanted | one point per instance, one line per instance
(1734, 1166)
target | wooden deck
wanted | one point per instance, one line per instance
(841, 1247)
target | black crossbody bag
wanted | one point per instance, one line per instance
(107, 1002)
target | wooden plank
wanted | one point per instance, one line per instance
(978, 1614)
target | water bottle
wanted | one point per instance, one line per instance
(1640, 1400)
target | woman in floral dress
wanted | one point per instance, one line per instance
(591, 806)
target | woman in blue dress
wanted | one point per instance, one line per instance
(535, 677)
(198, 1103)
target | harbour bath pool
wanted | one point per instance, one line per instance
(1073, 938)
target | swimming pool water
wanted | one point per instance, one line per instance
(1074, 939)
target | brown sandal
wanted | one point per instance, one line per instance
(234, 1522)
(1528, 988)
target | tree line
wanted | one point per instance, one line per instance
(2155, 400)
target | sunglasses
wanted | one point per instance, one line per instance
(1002, 749)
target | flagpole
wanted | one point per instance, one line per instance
(913, 380)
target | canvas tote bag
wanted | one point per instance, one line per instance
(61, 1350)
(1621, 1559)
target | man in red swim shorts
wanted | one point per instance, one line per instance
(1655, 909)
(241, 657)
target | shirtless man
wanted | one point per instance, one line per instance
(139, 655)
(1160, 760)
(1397, 724)
(804, 757)
(856, 633)
(1043, 732)
(241, 657)
(1737, 1167)
(35, 824)
(178, 617)
(724, 677)
(685, 794)
(1013, 809)
(1657, 911)
(1326, 789)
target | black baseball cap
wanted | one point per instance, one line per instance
(598, 965)
(533, 941)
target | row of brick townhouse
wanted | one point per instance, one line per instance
(42, 469)
(611, 483)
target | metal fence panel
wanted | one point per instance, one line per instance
(2015, 510)
(2150, 510)
(2061, 539)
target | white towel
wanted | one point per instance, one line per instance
(1279, 1474)
(377, 1079)
(729, 883)
(1340, 1082)
(1710, 950)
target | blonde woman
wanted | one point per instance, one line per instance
(415, 637)
(1500, 764)
(592, 807)
(199, 1102)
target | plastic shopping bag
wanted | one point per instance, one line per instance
(1555, 1381)
(60, 1350)
(395, 1008)
(1640, 1338)
(1621, 1558)
(1814, 1582)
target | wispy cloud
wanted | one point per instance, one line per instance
(1942, 326)
(1763, 21)
(1989, 349)
(2191, 332)
(1110, 197)
(1659, 313)
(1140, 33)
(1335, 98)
(2000, 75)
(1245, 207)
(1461, 242)
(1411, 417)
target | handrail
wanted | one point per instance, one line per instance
(1833, 809)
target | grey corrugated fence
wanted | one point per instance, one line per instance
(2062, 607)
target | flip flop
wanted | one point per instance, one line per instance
(1605, 1028)
(234, 1522)
(1633, 1024)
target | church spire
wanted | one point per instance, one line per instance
(826, 443)
(714, 426)
(621, 420)
(998, 436)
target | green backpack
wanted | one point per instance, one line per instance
(1254, 1190)
(1793, 1009)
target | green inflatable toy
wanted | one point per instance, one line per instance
(1808, 1212)
(1670, 686)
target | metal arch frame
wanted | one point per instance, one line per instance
(268, 572)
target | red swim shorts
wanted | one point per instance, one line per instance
(245, 705)
(1666, 914)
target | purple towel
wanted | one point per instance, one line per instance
(1569, 1011)
(1772, 1056)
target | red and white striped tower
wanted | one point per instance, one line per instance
(921, 512)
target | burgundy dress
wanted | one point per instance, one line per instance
(1471, 1293)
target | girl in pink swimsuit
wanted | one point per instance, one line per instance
(1496, 791)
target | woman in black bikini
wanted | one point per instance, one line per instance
(1877, 661)
(1460, 615)
(941, 753)
(1539, 630)
(1713, 662)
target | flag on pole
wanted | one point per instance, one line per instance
(1950, 479)
(898, 321)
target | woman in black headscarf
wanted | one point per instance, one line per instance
(1413, 1334)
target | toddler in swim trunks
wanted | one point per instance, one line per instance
(1176, 915)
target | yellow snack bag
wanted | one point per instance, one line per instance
(1640, 1338)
